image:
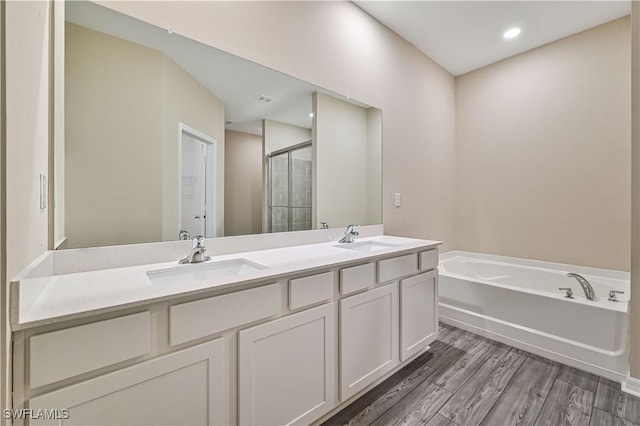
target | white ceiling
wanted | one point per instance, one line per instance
(462, 36)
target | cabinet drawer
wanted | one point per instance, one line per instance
(428, 259)
(66, 353)
(357, 278)
(310, 290)
(390, 269)
(193, 320)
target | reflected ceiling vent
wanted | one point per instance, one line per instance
(264, 98)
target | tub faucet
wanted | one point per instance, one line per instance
(197, 254)
(586, 287)
(612, 295)
(349, 234)
(569, 291)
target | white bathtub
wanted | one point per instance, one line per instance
(517, 301)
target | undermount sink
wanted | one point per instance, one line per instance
(366, 246)
(202, 271)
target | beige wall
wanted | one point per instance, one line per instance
(26, 155)
(634, 309)
(243, 183)
(374, 165)
(27, 97)
(124, 102)
(5, 330)
(340, 163)
(277, 136)
(59, 232)
(415, 95)
(113, 195)
(186, 101)
(543, 150)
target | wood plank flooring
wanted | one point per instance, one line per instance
(465, 379)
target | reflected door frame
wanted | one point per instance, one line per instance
(210, 178)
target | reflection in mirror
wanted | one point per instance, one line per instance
(168, 138)
(289, 188)
(197, 187)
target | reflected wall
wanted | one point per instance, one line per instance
(123, 103)
(129, 87)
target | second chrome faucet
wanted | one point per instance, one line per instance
(349, 234)
(197, 253)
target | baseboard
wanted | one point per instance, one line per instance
(631, 386)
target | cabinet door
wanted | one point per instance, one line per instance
(418, 313)
(186, 388)
(368, 338)
(286, 369)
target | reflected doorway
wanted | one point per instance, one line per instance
(197, 186)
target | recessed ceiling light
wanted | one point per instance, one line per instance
(511, 33)
(311, 114)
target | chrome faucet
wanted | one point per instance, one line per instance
(569, 294)
(586, 287)
(612, 295)
(349, 234)
(197, 254)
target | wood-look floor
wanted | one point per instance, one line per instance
(465, 379)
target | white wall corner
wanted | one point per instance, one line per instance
(631, 386)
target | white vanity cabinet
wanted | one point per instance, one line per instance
(368, 338)
(186, 388)
(419, 313)
(286, 369)
(290, 348)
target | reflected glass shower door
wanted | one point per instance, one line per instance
(289, 189)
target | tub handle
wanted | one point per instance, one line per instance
(569, 294)
(612, 295)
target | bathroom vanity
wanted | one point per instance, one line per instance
(276, 336)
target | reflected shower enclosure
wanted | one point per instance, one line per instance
(289, 189)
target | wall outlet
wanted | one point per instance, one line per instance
(396, 201)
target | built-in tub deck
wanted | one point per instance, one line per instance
(517, 301)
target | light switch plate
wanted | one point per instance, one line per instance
(397, 199)
(43, 192)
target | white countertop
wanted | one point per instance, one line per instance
(74, 295)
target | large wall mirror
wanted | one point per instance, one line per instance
(168, 138)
